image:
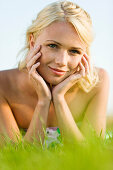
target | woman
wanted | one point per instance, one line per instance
(55, 85)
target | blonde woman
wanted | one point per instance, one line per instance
(55, 85)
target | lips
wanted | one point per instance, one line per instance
(57, 71)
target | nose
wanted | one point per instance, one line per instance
(61, 59)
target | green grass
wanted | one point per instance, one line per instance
(95, 154)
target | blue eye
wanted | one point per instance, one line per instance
(74, 51)
(52, 45)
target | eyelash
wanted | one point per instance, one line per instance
(76, 51)
(55, 46)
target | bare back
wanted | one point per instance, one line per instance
(22, 98)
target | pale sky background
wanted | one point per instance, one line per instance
(16, 16)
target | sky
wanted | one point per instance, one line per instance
(16, 16)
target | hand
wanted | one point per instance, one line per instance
(37, 81)
(82, 70)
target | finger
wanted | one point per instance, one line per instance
(33, 60)
(33, 71)
(33, 68)
(86, 65)
(88, 59)
(33, 52)
(82, 71)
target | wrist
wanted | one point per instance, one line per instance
(44, 102)
(58, 98)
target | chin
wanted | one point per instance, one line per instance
(53, 82)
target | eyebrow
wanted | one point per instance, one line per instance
(61, 45)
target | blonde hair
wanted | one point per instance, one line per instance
(79, 18)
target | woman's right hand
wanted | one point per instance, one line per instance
(38, 82)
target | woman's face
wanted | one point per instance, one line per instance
(61, 49)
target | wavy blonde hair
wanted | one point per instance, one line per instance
(79, 18)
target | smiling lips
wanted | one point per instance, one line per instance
(57, 71)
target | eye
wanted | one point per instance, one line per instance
(75, 51)
(52, 45)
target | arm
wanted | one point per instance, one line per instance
(9, 127)
(40, 115)
(95, 115)
(38, 122)
(8, 124)
(66, 123)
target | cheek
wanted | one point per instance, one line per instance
(74, 62)
(46, 56)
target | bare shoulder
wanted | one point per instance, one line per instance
(4, 83)
(102, 85)
(103, 74)
(11, 80)
(96, 109)
(104, 79)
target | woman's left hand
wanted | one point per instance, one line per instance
(64, 86)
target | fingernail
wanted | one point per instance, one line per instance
(86, 54)
(38, 63)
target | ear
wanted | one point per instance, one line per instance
(31, 41)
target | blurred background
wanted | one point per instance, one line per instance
(16, 16)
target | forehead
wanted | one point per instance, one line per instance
(61, 32)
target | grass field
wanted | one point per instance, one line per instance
(95, 154)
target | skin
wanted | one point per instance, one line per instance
(68, 103)
(61, 57)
